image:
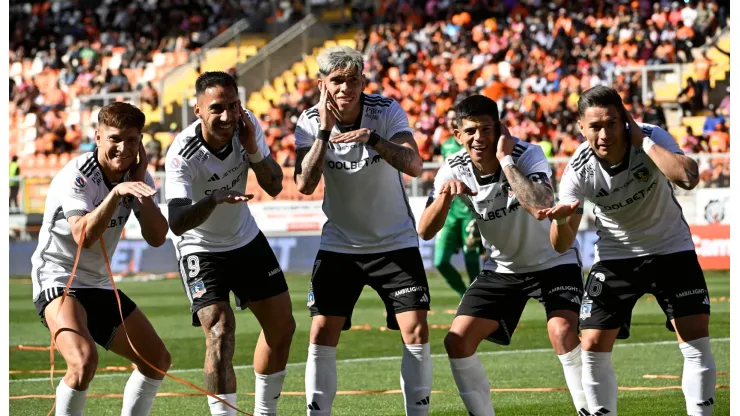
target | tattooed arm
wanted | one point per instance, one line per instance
(309, 166)
(269, 175)
(679, 169)
(533, 191)
(401, 152)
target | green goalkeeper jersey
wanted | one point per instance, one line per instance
(458, 209)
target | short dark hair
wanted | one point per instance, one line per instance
(476, 106)
(214, 79)
(599, 96)
(122, 116)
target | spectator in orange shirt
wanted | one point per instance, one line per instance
(719, 139)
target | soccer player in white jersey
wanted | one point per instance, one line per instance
(362, 144)
(626, 169)
(220, 248)
(97, 191)
(505, 181)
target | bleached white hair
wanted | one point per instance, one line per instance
(339, 57)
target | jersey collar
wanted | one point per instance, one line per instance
(221, 155)
(616, 170)
(488, 179)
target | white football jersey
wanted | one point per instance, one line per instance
(365, 199)
(194, 171)
(635, 209)
(76, 190)
(516, 241)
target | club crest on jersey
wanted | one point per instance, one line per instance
(197, 289)
(642, 174)
(127, 201)
(80, 182)
(507, 188)
(175, 162)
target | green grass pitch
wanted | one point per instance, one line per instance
(369, 359)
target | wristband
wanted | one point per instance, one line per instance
(374, 139)
(561, 221)
(256, 157)
(506, 161)
(323, 135)
(647, 143)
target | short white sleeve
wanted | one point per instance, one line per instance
(78, 194)
(259, 135)
(397, 121)
(178, 178)
(662, 138)
(571, 187)
(533, 164)
(444, 175)
(305, 131)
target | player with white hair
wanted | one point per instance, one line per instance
(626, 169)
(362, 145)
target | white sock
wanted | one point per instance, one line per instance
(70, 402)
(473, 385)
(321, 379)
(699, 376)
(267, 389)
(599, 382)
(572, 368)
(416, 378)
(138, 396)
(220, 409)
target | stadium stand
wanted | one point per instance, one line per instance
(533, 60)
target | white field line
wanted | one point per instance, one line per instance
(372, 359)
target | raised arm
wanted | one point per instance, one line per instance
(98, 220)
(400, 151)
(528, 178)
(665, 153)
(268, 172)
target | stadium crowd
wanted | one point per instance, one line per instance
(534, 58)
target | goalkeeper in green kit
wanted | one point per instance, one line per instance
(459, 231)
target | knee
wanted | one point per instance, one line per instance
(164, 360)
(560, 329)
(282, 337)
(457, 346)
(82, 366)
(324, 332)
(417, 333)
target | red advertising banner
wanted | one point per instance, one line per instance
(712, 245)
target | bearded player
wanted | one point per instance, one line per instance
(219, 246)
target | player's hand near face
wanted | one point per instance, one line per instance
(247, 132)
(138, 170)
(328, 109)
(456, 187)
(230, 197)
(506, 143)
